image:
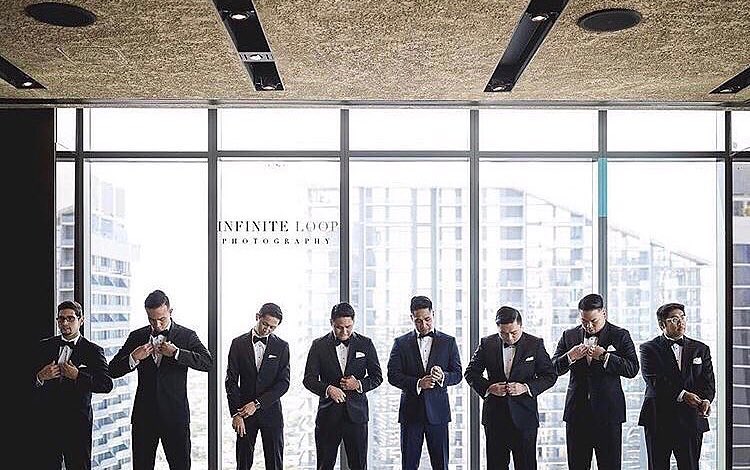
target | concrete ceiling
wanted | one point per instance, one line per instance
(372, 50)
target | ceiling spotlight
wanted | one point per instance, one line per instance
(17, 77)
(239, 15)
(735, 84)
(539, 17)
(255, 57)
(26, 84)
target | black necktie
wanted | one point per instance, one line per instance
(345, 342)
(262, 339)
(164, 333)
(431, 334)
(680, 341)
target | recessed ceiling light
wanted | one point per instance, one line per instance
(60, 14)
(735, 84)
(609, 20)
(26, 84)
(256, 57)
(239, 15)
(538, 18)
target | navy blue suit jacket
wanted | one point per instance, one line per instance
(405, 369)
(244, 383)
(322, 369)
(664, 382)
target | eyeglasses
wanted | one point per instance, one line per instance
(67, 319)
(677, 320)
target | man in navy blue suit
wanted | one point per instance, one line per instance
(342, 366)
(423, 364)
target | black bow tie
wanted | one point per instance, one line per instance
(262, 339)
(589, 335)
(70, 344)
(430, 334)
(506, 345)
(164, 333)
(345, 342)
(680, 341)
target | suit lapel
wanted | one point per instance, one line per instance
(415, 351)
(669, 354)
(687, 356)
(519, 353)
(333, 356)
(498, 352)
(350, 353)
(604, 336)
(436, 340)
(250, 351)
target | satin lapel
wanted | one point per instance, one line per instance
(436, 342)
(331, 347)
(688, 349)
(250, 349)
(604, 336)
(412, 342)
(350, 353)
(520, 353)
(666, 350)
(498, 351)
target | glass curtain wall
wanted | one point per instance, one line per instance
(407, 206)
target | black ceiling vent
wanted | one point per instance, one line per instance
(60, 14)
(243, 25)
(735, 84)
(17, 77)
(533, 26)
(609, 20)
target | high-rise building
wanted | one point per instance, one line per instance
(741, 320)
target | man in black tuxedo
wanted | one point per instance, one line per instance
(518, 370)
(161, 353)
(680, 387)
(341, 368)
(68, 368)
(597, 353)
(423, 364)
(257, 377)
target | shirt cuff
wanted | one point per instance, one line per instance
(606, 359)
(528, 390)
(570, 361)
(133, 362)
(39, 382)
(679, 397)
(419, 390)
(177, 354)
(442, 381)
(359, 386)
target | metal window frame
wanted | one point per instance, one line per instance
(344, 155)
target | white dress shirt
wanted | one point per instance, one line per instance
(259, 349)
(508, 354)
(677, 351)
(154, 340)
(342, 351)
(62, 356)
(425, 346)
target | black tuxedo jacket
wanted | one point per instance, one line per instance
(664, 382)
(405, 369)
(244, 383)
(531, 365)
(161, 395)
(67, 399)
(322, 369)
(592, 382)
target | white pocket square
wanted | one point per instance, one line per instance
(611, 348)
(272, 356)
(530, 358)
(359, 354)
(697, 360)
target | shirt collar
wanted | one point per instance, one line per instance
(74, 340)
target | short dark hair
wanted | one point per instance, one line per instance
(70, 305)
(271, 309)
(156, 299)
(663, 311)
(342, 309)
(419, 302)
(591, 302)
(507, 315)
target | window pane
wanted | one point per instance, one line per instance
(294, 264)
(665, 130)
(741, 315)
(409, 129)
(148, 231)
(65, 237)
(145, 130)
(396, 254)
(740, 131)
(662, 248)
(539, 130)
(65, 129)
(536, 254)
(279, 129)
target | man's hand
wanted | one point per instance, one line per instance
(142, 352)
(515, 389)
(426, 382)
(577, 352)
(692, 400)
(48, 372)
(68, 370)
(349, 383)
(596, 352)
(248, 410)
(499, 389)
(167, 348)
(705, 409)
(336, 394)
(437, 374)
(238, 424)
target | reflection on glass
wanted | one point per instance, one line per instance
(409, 129)
(538, 130)
(148, 231)
(740, 131)
(662, 248)
(410, 236)
(279, 129)
(674, 130)
(65, 129)
(279, 242)
(741, 315)
(65, 228)
(536, 255)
